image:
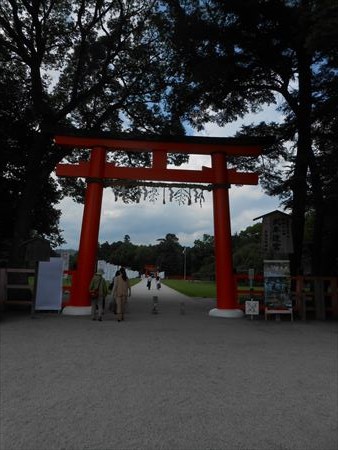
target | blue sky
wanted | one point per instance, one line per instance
(146, 222)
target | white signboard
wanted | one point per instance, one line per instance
(49, 285)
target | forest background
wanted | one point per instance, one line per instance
(160, 68)
(170, 257)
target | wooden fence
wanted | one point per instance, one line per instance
(312, 297)
(16, 287)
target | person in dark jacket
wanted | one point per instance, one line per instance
(98, 291)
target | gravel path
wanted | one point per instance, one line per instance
(167, 381)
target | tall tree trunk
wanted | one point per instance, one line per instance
(38, 171)
(302, 159)
(317, 239)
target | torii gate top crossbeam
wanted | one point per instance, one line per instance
(160, 147)
(171, 144)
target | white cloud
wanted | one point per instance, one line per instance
(146, 222)
(246, 192)
(196, 162)
(110, 214)
(268, 114)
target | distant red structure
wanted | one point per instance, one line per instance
(97, 169)
(150, 269)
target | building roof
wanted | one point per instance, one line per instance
(272, 213)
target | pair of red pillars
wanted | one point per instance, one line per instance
(98, 169)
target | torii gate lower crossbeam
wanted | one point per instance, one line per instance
(97, 170)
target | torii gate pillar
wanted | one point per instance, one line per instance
(89, 237)
(225, 283)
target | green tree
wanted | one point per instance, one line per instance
(170, 255)
(96, 64)
(247, 249)
(145, 254)
(123, 254)
(16, 138)
(203, 257)
(260, 52)
(105, 251)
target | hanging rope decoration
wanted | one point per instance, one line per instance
(130, 191)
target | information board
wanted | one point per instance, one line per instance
(277, 284)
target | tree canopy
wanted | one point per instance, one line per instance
(90, 64)
(154, 67)
(236, 56)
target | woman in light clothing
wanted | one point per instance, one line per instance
(112, 305)
(121, 291)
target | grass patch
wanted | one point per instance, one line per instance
(193, 288)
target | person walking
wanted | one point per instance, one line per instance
(98, 291)
(121, 291)
(112, 305)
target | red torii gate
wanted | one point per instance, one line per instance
(97, 169)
